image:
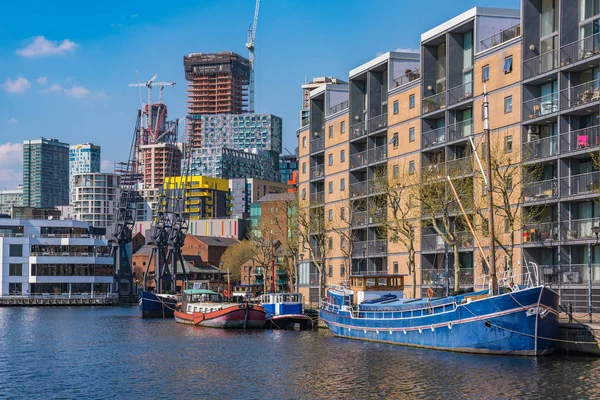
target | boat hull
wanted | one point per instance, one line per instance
(520, 323)
(289, 321)
(156, 306)
(232, 317)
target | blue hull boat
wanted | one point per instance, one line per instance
(520, 322)
(154, 305)
(285, 311)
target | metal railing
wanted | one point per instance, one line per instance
(357, 130)
(338, 107)
(70, 236)
(579, 228)
(508, 277)
(433, 103)
(318, 171)
(317, 198)
(434, 137)
(359, 188)
(460, 129)
(540, 64)
(11, 235)
(580, 139)
(370, 156)
(500, 37)
(540, 148)
(317, 144)
(569, 274)
(460, 93)
(367, 217)
(460, 166)
(542, 190)
(435, 242)
(585, 183)
(580, 94)
(540, 106)
(377, 154)
(359, 159)
(409, 76)
(437, 277)
(378, 122)
(369, 248)
(580, 49)
(69, 254)
(540, 232)
(305, 121)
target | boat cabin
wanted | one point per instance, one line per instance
(282, 303)
(200, 300)
(368, 287)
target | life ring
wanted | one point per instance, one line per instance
(226, 293)
(430, 293)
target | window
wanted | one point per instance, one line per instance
(330, 272)
(343, 127)
(304, 194)
(343, 242)
(343, 270)
(15, 288)
(394, 140)
(331, 187)
(411, 135)
(330, 160)
(507, 104)
(330, 131)
(343, 185)
(303, 142)
(411, 101)
(330, 216)
(395, 267)
(330, 245)
(509, 183)
(508, 64)
(342, 155)
(411, 167)
(396, 107)
(485, 73)
(508, 144)
(15, 250)
(304, 168)
(15, 269)
(342, 213)
(506, 225)
(395, 171)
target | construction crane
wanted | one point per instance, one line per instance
(250, 47)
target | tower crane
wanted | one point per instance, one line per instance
(250, 47)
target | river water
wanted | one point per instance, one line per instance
(96, 353)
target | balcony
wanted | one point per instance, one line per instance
(460, 129)
(500, 37)
(581, 94)
(409, 76)
(579, 229)
(434, 242)
(338, 107)
(368, 217)
(258, 271)
(437, 277)
(573, 274)
(378, 154)
(580, 50)
(434, 103)
(543, 190)
(317, 198)
(359, 189)
(541, 64)
(581, 139)
(317, 172)
(358, 130)
(371, 248)
(305, 122)
(541, 148)
(585, 183)
(359, 159)
(434, 137)
(370, 156)
(377, 123)
(317, 144)
(540, 232)
(460, 93)
(459, 166)
(540, 106)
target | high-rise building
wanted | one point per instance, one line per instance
(287, 165)
(10, 198)
(218, 84)
(225, 163)
(45, 173)
(95, 198)
(84, 159)
(205, 197)
(245, 191)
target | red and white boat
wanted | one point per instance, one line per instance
(204, 307)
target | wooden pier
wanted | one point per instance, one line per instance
(58, 300)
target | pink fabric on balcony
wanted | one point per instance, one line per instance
(582, 141)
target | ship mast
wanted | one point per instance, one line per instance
(490, 186)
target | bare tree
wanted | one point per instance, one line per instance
(312, 233)
(348, 215)
(286, 226)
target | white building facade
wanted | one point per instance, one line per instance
(9, 199)
(54, 257)
(83, 159)
(94, 198)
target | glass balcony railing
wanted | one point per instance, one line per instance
(317, 198)
(541, 64)
(317, 144)
(409, 76)
(460, 129)
(581, 139)
(573, 274)
(434, 242)
(434, 137)
(368, 217)
(367, 157)
(585, 183)
(305, 121)
(359, 159)
(540, 148)
(500, 37)
(460, 93)
(543, 190)
(580, 228)
(540, 106)
(371, 248)
(359, 188)
(540, 232)
(460, 166)
(581, 94)
(318, 171)
(377, 154)
(378, 122)
(580, 49)
(338, 107)
(435, 102)
(358, 130)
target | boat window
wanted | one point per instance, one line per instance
(294, 298)
(371, 282)
(382, 281)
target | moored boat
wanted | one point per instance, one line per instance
(204, 307)
(521, 320)
(154, 305)
(285, 311)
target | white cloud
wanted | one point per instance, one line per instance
(54, 88)
(43, 47)
(13, 120)
(11, 165)
(18, 85)
(134, 15)
(77, 92)
(42, 80)
(107, 166)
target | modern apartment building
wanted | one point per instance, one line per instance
(288, 164)
(245, 191)
(45, 173)
(84, 159)
(95, 198)
(53, 257)
(205, 197)
(10, 198)
(225, 163)
(414, 116)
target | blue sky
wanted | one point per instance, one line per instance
(71, 84)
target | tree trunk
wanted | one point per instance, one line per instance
(411, 271)
(456, 267)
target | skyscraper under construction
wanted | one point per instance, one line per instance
(218, 84)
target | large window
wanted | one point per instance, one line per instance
(16, 250)
(588, 9)
(549, 18)
(15, 269)
(441, 68)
